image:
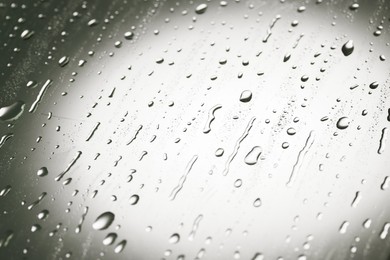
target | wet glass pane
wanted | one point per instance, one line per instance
(244, 129)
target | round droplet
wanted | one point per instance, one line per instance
(174, 239)
(103, 221)
(110, 239)
(12, 112)
(43, 214)
(285, 145)
(246, 96)
(238, 183)
(343, 123)
(347, 48)
(219, 152)
(134, 199)
(200, 9)
(42, 172)
(257, 203)
(291, 131)
(304, 78)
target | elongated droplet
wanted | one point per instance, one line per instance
(93, 131)
(74, 160)
(4, 139)
(12, 112)
(40, 95)
(103, 221)
(183, 178)
(344, 227)
(237, 146)
(385, 183)
(195, 227)
(253, 156)
(300, 159)
(35, 203)
(63, 61)
(356, 200)
(385, 230)
(382, 141)
(210, 119)
(347, 48)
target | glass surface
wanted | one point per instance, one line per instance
(194, 129)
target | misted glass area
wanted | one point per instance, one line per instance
(237, 129)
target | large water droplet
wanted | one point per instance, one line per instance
(200, 9)
(246, 96)
(174, 239)
(42, 172)
(347, 48)
(103, 221)
(253, 156)
(12, 112)
(343, 123)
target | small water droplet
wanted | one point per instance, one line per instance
(257, 203)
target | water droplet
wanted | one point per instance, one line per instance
(344, 227)
(103, 221)
(12, 112)
(128, 35)
(110, 239)
(63, 61)
(374, 85)
(238, 183)
(200, 9)
(42, 172)
(291, 131)
(354, 6)
(134, 199)
(219, 152)
(253, 156)
(257, 203)
(347, 48)
(26, 34)
(119, 247)
(246, 96)
(343, 123)
(43, 214)
(174, 239)
(92, 22)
